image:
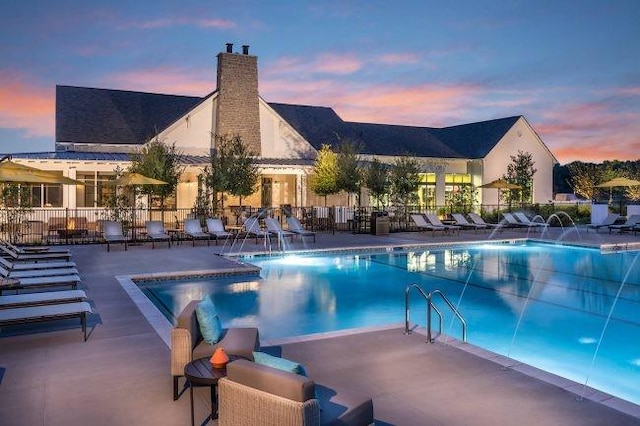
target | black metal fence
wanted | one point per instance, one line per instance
(84, 225)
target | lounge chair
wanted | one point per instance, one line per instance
(24, 266)
(274, 228)
(156, 232)
(42, 298)
(33, 273)
(462, 222)
(34, 249)
(478, 220)
(252, 228)
(253, 393)
(187, 343)
(71, 280)
(296, 227)
(215, 229)
(193, 230)
(16, 316)
(47, 256)
(433, 219)
(524, 219)
(608, 221)
(422, 224)
(629, 224)
(113, 234)
(512, 222)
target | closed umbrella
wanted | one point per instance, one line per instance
(500, 184)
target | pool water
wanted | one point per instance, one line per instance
(568, 310)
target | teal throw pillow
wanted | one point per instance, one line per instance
(279, 363)
(210, 326)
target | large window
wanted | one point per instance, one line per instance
(456, 181)
(97, 191)
(427, 190)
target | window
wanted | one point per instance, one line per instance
(427, 190)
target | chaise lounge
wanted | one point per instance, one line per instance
(24, 315)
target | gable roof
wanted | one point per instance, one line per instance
(103, 116)
(321, 125)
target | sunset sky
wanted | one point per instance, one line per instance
(572, 68)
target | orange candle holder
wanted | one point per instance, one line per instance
(219, 358)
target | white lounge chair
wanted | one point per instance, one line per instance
(252, 228)
(42, 298)
(511, 221)
(46, 256)
(422, 224)
(113, 234)
(296, 227)
(156, 232)
(433, 219)
(608, 221)
(462, 222)
(274, 228)
(29, 266)
(478, 220)
(215, 228)
(524, 219)
(193, 230)
(16, 316)
(40, 282)
(34, 249)
(33, 273)
(629, 225)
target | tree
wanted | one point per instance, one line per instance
(520, 172)
(324, 177)
(404, 180)
(15, 205)
(583, 178)
(159, 161)
(462, 200)
(349, 177)
(118, 204)
(377, 180)
(242, 172)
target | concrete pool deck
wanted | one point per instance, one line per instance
(120, 376)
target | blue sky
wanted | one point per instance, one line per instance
(572, 68)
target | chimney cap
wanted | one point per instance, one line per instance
(245, 49)
(229, 47)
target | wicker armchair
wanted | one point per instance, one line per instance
(187, 343)
(255, 394)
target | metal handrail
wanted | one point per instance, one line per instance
(430, 306)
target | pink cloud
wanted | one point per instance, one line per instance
(593, 131)
(26, 107)
(328, 63)
(217, 23)
(399, 58)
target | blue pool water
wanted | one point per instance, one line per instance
(545, 305)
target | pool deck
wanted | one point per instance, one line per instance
(120, 376)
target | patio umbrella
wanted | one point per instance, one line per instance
(619, 181)
(130, 179)
(500, 184)
(19, 173)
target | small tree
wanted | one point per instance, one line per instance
(377, 180)
(405, 181)
(584, 178)
(15, 205)
(324, 177)
(520, 172)
(242, 172)
(118, 205)
(159, 161)
(349, 177)
(462, 200)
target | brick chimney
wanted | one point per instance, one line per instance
(238, 108)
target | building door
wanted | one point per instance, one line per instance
(267, 187)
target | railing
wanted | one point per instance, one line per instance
(430, 306)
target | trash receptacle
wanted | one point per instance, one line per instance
(380, 223)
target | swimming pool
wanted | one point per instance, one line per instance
(568, 310)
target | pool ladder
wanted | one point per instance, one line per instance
(430, 306)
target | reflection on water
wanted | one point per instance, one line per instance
(568, 293)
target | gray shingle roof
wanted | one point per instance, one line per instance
(88, 115)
